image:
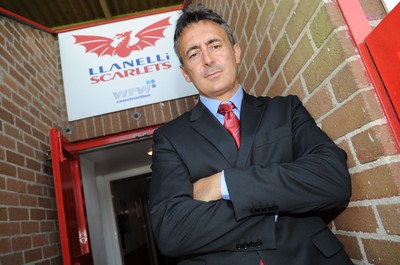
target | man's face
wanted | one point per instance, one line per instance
(209, 60)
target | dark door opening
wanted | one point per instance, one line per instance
(130, 201)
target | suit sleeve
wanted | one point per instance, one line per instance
(184, 226)
(314, 178)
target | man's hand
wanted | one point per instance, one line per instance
(208, 188)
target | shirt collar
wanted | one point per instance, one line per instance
(213, 104)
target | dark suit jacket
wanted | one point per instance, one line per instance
(285, 164)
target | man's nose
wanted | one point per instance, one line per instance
(207, 58)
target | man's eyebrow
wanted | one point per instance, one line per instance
(213, 40)
(208, 42)
(194, 47)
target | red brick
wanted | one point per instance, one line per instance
(380, 252)
(261, 56)
(35, 189)
(374, 143)
(247, 61)
(38, 214)
(5, 246)
(8, 198)
(47, 226)
(15, 158)
(99, 126)
(44, 202)
(16, 185)
(241, 20)
(21, 243)
(320, 103)
(16, 214)
(54, 237)
(50, 251)
(390, 216)
(364, 108)
(24, 149)
(39, 240)
(351, 246)
(28, 200)
(376, 183)
(7, 141)
(352, 77)
(9, 229)
(335, 51)
(13, 132)
(298, 58)
(26, 174)
(158, 117)
(30, 227)
(374, 10)
(23, 125)
(358, 219)
(2, 183)
(89, 127)
(350, 157)
(250, 79)
(3, 214)
(283, 11)
(261, 84)
(51, 215)
(32, 164)
(297, 89)
(33, 255)
(251, 19)
(278, 55)
(56, 261)
(13, 258)
(278, 87)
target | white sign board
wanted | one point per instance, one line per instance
(121, 65)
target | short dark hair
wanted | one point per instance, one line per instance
(197, 14)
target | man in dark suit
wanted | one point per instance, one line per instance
(217, 201)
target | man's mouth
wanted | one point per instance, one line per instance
(212, 73)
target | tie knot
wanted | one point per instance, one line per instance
(225, 107)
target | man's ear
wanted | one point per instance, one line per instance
(238, 52)
(185, 75)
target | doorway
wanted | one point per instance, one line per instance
(116, 181)
(130, 198)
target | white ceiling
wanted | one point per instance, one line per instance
(120, 157)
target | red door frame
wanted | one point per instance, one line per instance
(71, 212)
(65, 160)
(360, 28)
(113, 139)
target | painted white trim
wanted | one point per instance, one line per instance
(389, 4)
(110, 230)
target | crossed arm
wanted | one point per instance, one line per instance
(208, 188)
(190, 217)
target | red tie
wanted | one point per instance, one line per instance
(231, 122)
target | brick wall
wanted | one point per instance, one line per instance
(300, 47)
(303, 47)
(30, 104)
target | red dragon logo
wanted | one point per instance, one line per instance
(121, 43)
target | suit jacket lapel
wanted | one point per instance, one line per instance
(251, 111)
(208, 126)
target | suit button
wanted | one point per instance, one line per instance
(239, 246)
(259, 243)
(253, 211)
